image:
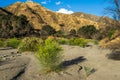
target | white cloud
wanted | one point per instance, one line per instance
(65, 11)
(58, 3)
(44, 2)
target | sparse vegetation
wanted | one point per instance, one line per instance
(111, 32)
(92, 41)
(78, 42)
(62, 41)
(88, 70)
(59, 33)
(1, 43)
(87, 31)
(14, 26)
(29, 44)
(13, 42)
(43, 32)
(72, 32)
(49, 56)
(48, 30)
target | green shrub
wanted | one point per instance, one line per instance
(111, 32)
(13, 42)
(87, 31)
(29, 44)
(49, 55)
(92, 41)
(78, 42)
(62, 41)
(81, 41)
(59, 33)
(72, 32)
(95, 42)
(14, 26)
(1, 43)
(88, 70)
(49, 30)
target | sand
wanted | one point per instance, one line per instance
(76, 59)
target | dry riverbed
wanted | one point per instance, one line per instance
(89, 63)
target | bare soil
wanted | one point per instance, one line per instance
(76, 60)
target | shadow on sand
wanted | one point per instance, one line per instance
(73, 61)
(115, 55)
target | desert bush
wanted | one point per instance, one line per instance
(49, 56)
(59, 33)
(72, 32)
(62, 41)
(87, 31)
(14, 26)
(1, 43)
(29, 44)
(78, 42)
(111, 32)
(95, 42)
(81, 41)
(88, 70)
(92, 41)
(48, 30)
(13, 42)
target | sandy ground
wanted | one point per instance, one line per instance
(106, 69)
(12, 64)
(75, 61)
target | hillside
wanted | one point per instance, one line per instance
(13, 26)
(3, 11)
(99, 19)
(40, 16)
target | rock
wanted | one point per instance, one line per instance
(13, 53)
(11, 69)
(115, 55)
(90, 44)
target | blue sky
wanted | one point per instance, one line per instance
(95, 7)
